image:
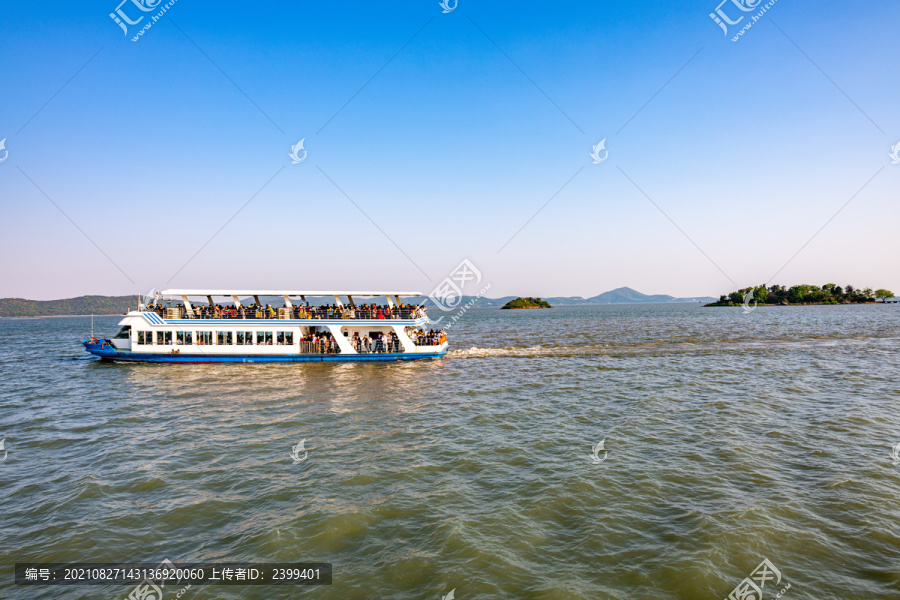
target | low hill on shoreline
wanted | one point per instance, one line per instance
(83, 305)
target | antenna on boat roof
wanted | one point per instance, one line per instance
(92, 326)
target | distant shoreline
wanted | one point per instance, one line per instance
(536, 307)
(117, 305)
(716, 305)
(64, 316)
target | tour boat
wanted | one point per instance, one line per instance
(171, 327)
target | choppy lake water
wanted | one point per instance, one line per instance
(731, 439)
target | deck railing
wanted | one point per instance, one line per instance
(320, 347)
(376, 346)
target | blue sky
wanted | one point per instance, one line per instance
(448, 132)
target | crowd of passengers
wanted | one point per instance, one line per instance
(390, 342)
(433, 337)
(317, 343)
(377, 343)
(328, 311)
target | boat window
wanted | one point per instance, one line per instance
(164, 337)
(204, 338)
(260, 338)
(289, 338)
(183, 338)
(244, 338)
(268, 341)
(279, 338)
(143, 340)
(224, 338)
(124, 333)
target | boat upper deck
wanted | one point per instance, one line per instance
(166, 307)
(303, 313)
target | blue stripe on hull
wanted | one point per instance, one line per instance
(109, 353)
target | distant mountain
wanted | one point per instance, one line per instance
(626, 295)
(117, 305)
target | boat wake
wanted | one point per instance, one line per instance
(657, 347)
(530, 352)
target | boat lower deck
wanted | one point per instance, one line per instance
(108, 352)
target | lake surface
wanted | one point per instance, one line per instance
(731, 438)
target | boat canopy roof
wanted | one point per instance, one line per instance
(180, 292)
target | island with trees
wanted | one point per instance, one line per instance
(779, 295)
(527, 303)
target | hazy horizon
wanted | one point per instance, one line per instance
(434, 137)
(488, 296)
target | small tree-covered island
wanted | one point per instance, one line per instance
(802, 294)
(527, 303)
